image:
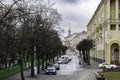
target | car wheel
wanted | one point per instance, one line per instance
(58, 68)
(104, 67)
(55, 73)
(112, 67)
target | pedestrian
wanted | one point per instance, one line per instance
(79, 61)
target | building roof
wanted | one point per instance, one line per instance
(99, 6)
(75, 34)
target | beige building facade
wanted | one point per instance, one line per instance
(104, 29)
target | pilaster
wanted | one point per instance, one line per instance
(108, 9)
(116, 8)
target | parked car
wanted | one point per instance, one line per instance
(63, 60)
(106, 65)
(57, 65)
(99, 76)
(60, 60)
(66, 57)
(51, 70)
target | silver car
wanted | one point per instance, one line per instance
(51, 70)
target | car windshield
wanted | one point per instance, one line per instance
(104, 63)
(51, 68)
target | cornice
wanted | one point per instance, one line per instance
(98, 8)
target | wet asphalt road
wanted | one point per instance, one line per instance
(78, 75)
(70, 71)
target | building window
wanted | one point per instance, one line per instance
(112, 27)
(119, 16)
(119, 5)
(119, 27)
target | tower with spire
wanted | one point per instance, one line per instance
(69, 31)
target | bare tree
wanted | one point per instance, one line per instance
(24, 29)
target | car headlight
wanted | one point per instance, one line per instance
(53, 70)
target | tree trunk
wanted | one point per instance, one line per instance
(43, 63)
(38, 70)
(32, 66)
(5, 64)
(32, 63)
(22, 73)
(21, 64)
(10, 63)
(46, 61)
(84, 58)
(53, 60)
(88, 57)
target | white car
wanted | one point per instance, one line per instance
(60, 60)
(106, 65)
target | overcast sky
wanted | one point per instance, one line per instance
(76, 12)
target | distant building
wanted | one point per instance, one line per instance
(104, 29)
(79, 37)
(73, 39)
(69, 40)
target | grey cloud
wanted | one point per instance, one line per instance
(78, 22)
(69, 1)
(76, 13)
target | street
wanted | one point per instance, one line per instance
(70, 71)
(70, 68)
(78, 75)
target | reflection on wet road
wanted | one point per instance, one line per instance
(70, 68)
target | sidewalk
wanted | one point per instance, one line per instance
(93, 64)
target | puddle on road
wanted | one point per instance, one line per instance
(65, 72)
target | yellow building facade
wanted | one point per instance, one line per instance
(104, 29)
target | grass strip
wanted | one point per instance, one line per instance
(12, 70)
(112, 75)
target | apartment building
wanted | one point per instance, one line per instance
(104, 29)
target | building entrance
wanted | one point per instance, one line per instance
(115, 53)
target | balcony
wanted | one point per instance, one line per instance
(113, 21)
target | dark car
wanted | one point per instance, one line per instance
(51, 70)
(99, 76)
